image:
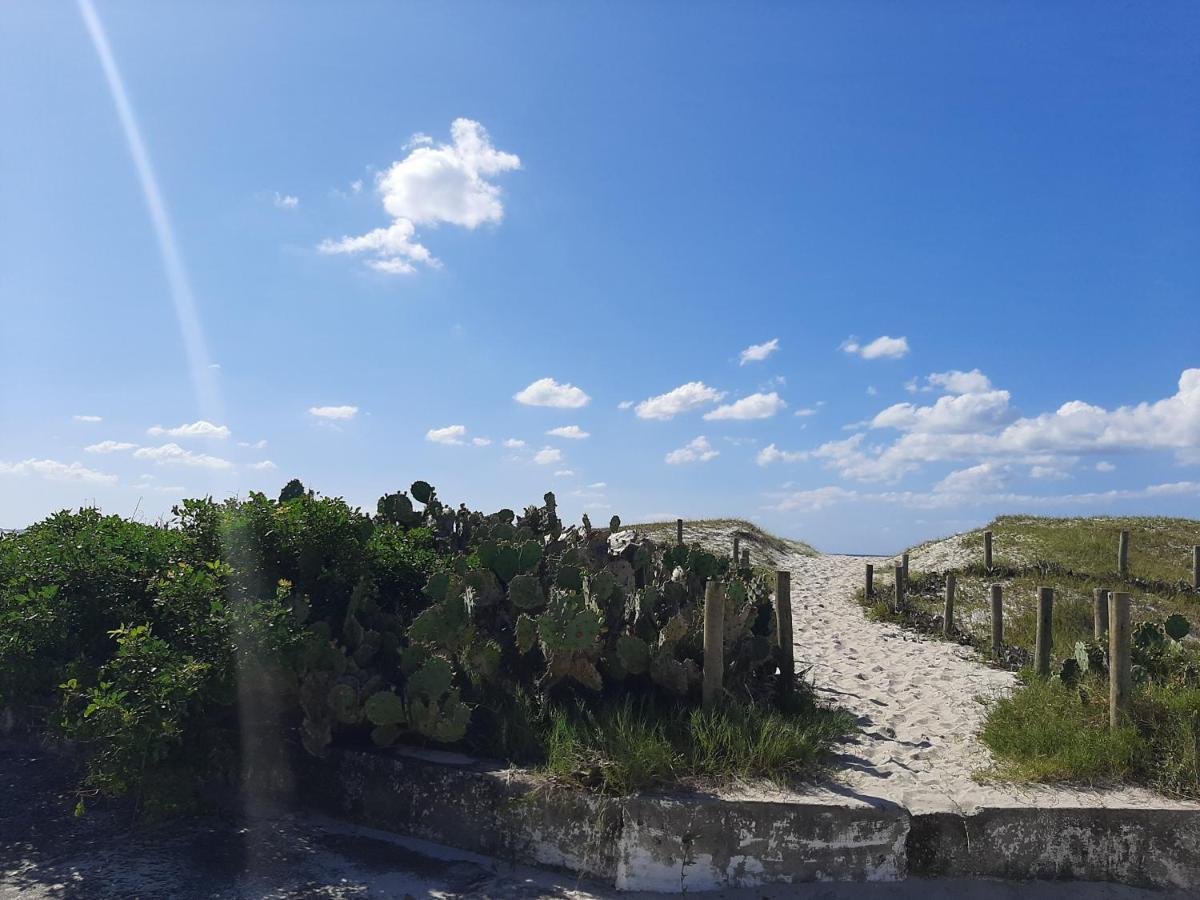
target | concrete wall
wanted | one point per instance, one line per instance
(675, 843)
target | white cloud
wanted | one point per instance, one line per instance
(698, 450)
(625, 404)
(109, 447)
(574, 432)
(481, 441)
(1047, 473)
(824, 497)
(806, 412)
(758, 352)
(256, 445)
(1105, 466)
(881, 348)
(434, 184)
(771, 454)
(985, 477)
(513, 443)
(173, 454)
(872, 390)
(598, 485)
(199, 429)
(682, 399)
(88, 419)
(563, 473)
(451, 434)
(356, 186)
(754, 406)
(286, 201)
(548, 456)
(333, 412)
(958, 382)
(548, 392)
(958, 413)
(53, 470)
(264, 466)
(979, 426)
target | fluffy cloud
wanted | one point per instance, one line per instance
(513, 443)
(754, 406)
(173, 454)
(333, 412)
(881, 348)
(88, 419)
(53, 470)
(985, 477)
(481, 441)
(264, 466)
(758, 352)
(548, 392)
(682, 399)
(286, 201)
(959, 413)
(625, 404)
(957, 382)
(979, 426)
(451, 434)
(253, 445)
(199, 429)
(434, 184)
(821, 498)
(548, 456)
(772, 454)
(109, 447)
(699, 450)
(574, 432)
(563, 473)
(1105, 466)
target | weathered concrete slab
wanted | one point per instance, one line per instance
(697, 842)
(702, 844)
(1140, 847)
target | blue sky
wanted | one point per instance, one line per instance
(392, 220)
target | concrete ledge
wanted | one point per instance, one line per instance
(1140, 847)
(696, 842)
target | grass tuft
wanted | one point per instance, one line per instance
(633, 745)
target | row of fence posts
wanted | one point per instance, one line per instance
(1110, 619)
(714, 627)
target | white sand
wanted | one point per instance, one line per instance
(918, 699)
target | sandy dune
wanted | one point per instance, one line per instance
(919, 701)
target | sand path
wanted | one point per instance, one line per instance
(918, 702)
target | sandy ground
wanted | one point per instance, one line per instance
(919, 700)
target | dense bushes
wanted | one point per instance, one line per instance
(155, 647)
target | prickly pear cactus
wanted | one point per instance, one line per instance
(633, 653)
(569, 625)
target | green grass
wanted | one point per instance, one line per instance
(1046, 732)
(1074, 557)
(1160, 549)
(633, 745)
(1049, 732)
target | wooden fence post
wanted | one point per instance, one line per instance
(948, 618)
(899, 588)
(1196, 568)
(987, 550)
(679, 531)
(1099, 613)
(783, 631)
(997, 620)
(1120, 670)
(736, 552)
(904, 561)
(1044, 640)
(1123, 554)
(870, 582)
(745, 559)
(714, 642)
